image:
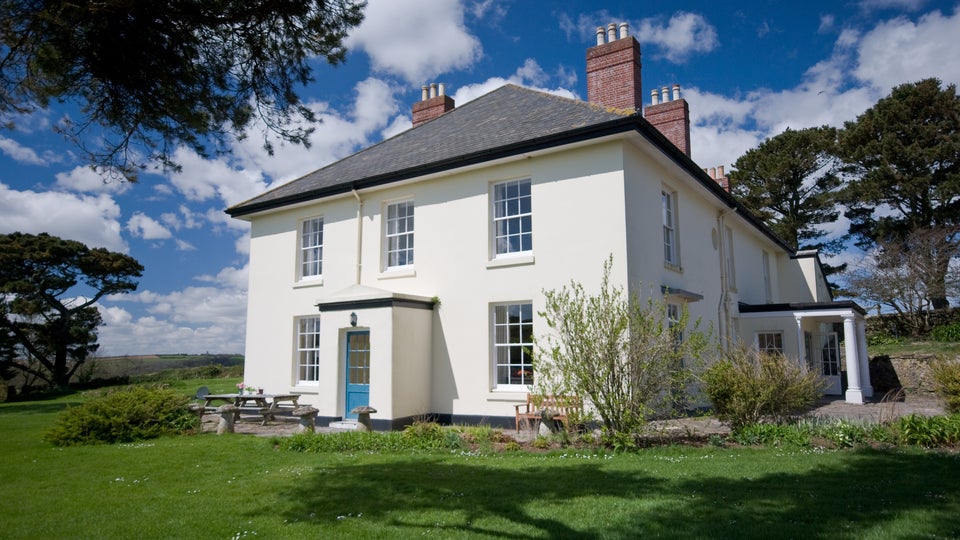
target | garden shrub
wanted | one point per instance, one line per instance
(949, 333)
(747, 386)
(929, 431)
(946, 376)
(880, 339)
(126, 415)
(418, 436)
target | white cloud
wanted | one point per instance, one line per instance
(827, 23)
(202, 179)
(183, 245)
(85, 179)
(123, 334)
(416, 41)
(92, 220)
(20, 153)
(338, 135)
(484, 8)
(193, 320)
(229, 277)
(186, 219)
(528, 75)
(675, 39)
(683, 35)
(901, 51)
(142, 226)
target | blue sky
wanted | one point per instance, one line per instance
(749, 69)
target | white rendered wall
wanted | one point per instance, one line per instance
(587, 204)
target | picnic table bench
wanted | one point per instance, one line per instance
(265, 405)
(539, 406)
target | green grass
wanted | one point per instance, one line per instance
(915, 347)
(238, 486)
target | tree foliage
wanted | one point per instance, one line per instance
(48, 288)
(903, 274)
(156, 75)
(903, 155)
(623, 355)
(790, 182)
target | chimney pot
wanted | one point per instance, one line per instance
(654, 97)
(442, 88)
(624, 30)
(613, 71)
(664, 94)
(433, 90)
(720, 171)
(676, 92)
(424, 92)
(713, 173)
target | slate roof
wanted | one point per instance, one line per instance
(509, 120)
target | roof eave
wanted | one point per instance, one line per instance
(585, 133)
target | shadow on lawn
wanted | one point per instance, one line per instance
(865, 493)
(33, 407)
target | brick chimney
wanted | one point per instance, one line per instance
(719, 177)
(670, 116)
(433, 103)
(613, 69)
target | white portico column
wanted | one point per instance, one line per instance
(864, 358)
(854, 392)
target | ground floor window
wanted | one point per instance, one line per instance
(770, 342)
(308, 350)
(513, 341)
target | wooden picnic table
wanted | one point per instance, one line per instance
(265, 405)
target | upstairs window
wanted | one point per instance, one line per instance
(667, 203)
(512, 218)
(767, 289)
(311, 248)
(399, 234)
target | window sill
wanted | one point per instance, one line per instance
(313, 282)
(307, 389)
(511, 260)
(398, 273)
(675, 267)
(508, 394)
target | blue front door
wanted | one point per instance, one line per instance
(358, 371)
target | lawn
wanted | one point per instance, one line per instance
(240, 486)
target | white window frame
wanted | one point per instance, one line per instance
(515, 215)
(308, 351)
(763, 344)
(406, 235)
(502, 356)
(767, 287)
(311, 254)
(668, 211)
(730, 261)
(674, 314)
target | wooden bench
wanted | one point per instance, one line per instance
(554, 407)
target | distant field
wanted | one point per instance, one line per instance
(116, 366)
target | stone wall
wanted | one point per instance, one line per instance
(911, 372)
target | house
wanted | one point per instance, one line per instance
(408, 276)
